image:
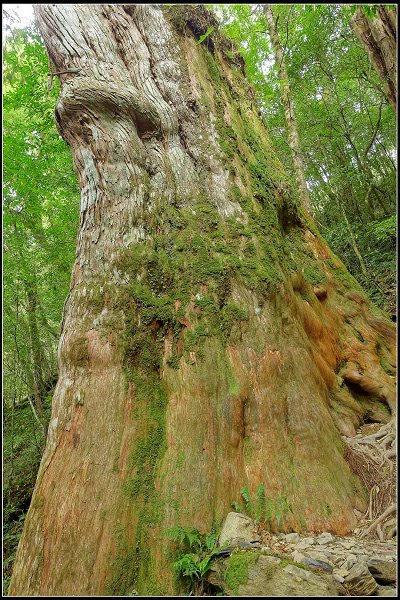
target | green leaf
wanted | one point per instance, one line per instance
(205, 35)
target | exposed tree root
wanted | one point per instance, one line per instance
(372, 458)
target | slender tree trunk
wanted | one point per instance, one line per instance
(378, 36)
(357, 252)
(190, 364)
(38, 360)
(286, 95)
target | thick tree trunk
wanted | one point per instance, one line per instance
(290, 117)
(210, 339)
(378, 36)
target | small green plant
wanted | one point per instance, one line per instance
(198, 550)
(263, 509)
(205, 35)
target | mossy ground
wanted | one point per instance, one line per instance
(237, 570)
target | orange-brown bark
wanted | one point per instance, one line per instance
(210, 340)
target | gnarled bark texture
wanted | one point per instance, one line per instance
(378, 36)
(210, 339)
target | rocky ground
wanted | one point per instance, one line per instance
(264, 564)
(360, 565)
(257, 563)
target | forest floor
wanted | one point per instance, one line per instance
(372, 545)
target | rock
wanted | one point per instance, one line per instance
(298, 556)
(238, 543)
(292, 538)
(306, 543)
(338, 578)
(363, 557)
(342, 572)
(237, 527)
(325, 538)
(349, 562)
(385, 590)
(309, 540)
(253, 574)
(315, 555)
(384, 571)
(265, 549)
(318, 564)
(359, 581)
(347, 545)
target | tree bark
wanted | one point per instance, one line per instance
(196, 356)
(290, 117)
(378, 35)
(38, 360)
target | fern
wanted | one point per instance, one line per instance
(211, 541)
(247, 500)
(181, 534)
(278, 512)
(269, 509)
(193, 565)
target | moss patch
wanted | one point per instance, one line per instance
(237, 570)
(78, 352)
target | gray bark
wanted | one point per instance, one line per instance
(291, 123)
(378, 35)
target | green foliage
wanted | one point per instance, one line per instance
(205, 35)
(193, 565)
(40, 221)
(23, 443)
(345, 124)
(236, 573)
(270, 512)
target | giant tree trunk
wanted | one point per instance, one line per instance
(378, 36)
(210, 339)
(290, 117)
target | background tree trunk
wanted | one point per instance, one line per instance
(210, 339)
(38, 359)
(378, 36)
(290, 117)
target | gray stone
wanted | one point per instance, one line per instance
(359, 581)
(318, 564)
(237, 527)
(385, 590)
(298, 556)
(384, 571)
(314, 554)
(349, 562)
(363, 557)
(268, 577)
(309, 540)
(325, 538)
(306, 543)
(238, 543)
(347, 545)
(292, 538)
